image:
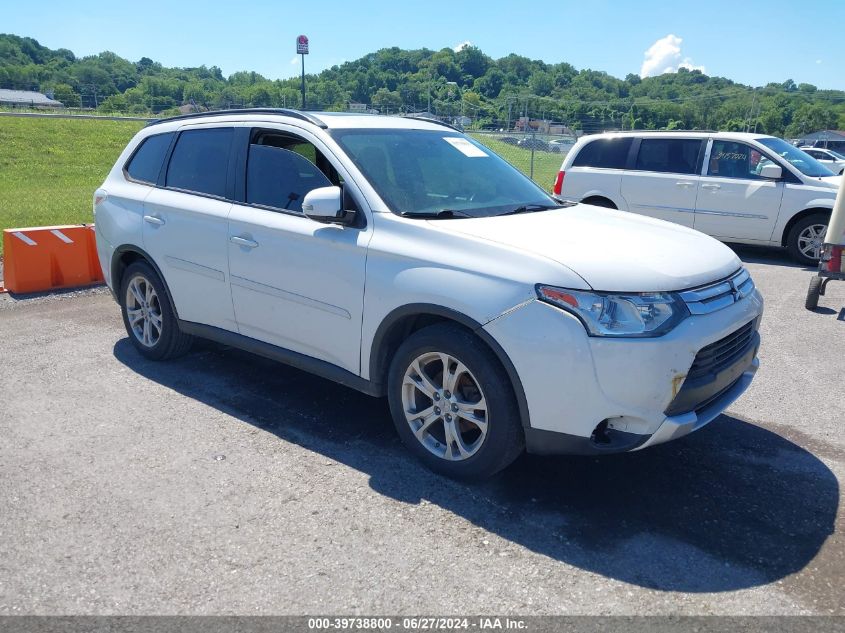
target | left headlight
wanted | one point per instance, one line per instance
(645, 314)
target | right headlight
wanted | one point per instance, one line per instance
(646, 314)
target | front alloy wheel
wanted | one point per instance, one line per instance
(811, 240)
(444, 406)
(453, 404)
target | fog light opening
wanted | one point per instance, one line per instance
(600, 435)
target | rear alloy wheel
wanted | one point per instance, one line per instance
(806, 239)
(148, 316)
(453, 404)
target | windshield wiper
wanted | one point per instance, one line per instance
(529, 208)
(443, 214)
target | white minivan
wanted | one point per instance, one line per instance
(737, 187)
(404, 259)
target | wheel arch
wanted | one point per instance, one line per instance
(399, 324)
(128, 254)
(798, 217)
(600, 198)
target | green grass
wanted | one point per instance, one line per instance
(49, 168)
(546, 164)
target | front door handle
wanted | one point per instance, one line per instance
(242, 241)
(711, 186)
(152, 219)
(684, 183)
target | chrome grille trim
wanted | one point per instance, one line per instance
(718, 295)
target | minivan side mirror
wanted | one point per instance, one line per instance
(773, 172)
(325, 204)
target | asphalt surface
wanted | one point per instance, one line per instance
(222, 483)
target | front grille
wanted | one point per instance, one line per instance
(718, 295)
(723, 353)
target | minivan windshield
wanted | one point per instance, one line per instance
(439, 173)
(800, 159)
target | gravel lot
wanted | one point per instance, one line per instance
(225, 484)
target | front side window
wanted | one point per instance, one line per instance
(200, 161)
(607, 153)
(732, 159)
(672, 155)
(425, 172)
(145, 164)
(279, 178)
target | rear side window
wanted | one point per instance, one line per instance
(200, 161)
(608, 153)
(145, 164)
(280, 178)
(673, 155)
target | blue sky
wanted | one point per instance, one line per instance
(753, 41)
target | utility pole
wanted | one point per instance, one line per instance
(302, 50)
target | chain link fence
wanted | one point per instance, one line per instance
(538, 156)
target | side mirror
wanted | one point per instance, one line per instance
(326, 205)
(773, 172)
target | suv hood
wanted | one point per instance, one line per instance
(831, 180)
(611, 250)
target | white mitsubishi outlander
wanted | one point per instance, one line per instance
(401, 258)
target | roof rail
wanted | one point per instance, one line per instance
(435, 121)
(295, 114)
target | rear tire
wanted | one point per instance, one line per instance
(462, 422)
(813, 293)
(148, 314)
(806, 237)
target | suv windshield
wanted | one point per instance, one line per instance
(430, 172)
(801, 160)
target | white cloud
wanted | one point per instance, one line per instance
(664, 56)
(818, 61)
(459, 47)
(294, 60)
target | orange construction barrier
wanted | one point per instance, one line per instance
(49, 257)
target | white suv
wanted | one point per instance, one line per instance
(737, 187)
(401, 258)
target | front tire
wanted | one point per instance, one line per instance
(452, 403)
(148, 314)
(806, 238)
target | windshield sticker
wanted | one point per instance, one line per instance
(465, 147)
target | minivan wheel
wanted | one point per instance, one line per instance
(148, 315)
(806, 238)
(452, 403)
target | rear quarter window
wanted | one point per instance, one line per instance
(145, 164)
(607, 153)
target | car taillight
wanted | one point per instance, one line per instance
(558, 188)
(834, 262)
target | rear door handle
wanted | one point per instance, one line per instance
(152, 219)
(710, 186)
(242, 241)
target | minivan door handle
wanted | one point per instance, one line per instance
(684, 183)
(242, 241)
(152, 219)
(711, 186)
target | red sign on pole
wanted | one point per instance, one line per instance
(301, 45)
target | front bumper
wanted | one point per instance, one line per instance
(591, 395)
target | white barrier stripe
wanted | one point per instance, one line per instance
(24, 238)
(62, 236)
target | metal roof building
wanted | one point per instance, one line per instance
(824, 138)
(27, 98)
